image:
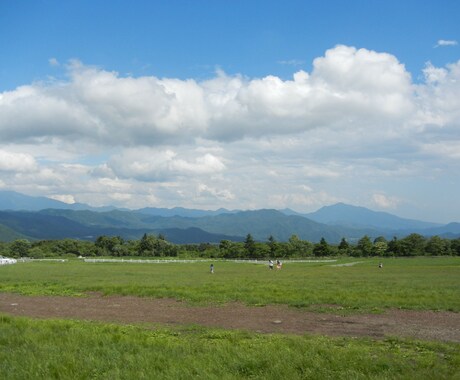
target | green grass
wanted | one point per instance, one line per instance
(34, 349)
(418, 283)
(54, 349)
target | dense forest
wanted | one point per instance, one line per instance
(157, 246)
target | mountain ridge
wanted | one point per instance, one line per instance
(331, 222)
(14, 201)
(358, 216)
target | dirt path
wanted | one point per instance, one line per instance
(428, 325)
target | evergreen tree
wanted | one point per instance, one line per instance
(344, 247)
(272, 245)
(322, 248)
(250, 246)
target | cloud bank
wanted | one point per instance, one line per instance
(100, 137)
(102, 106)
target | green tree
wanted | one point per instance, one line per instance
(380, 246)
(344, 247)
(364, 246)
(4, 249)
(413, 245)
(322, 248)
(393, 247)
(36, 253)
(20, 248)
(436, 246)
(455, 246)
(66, 246)
(296, 247)
(225, 247)
(165, 248)
(231, 250)
(109, 245)
(250, 246)
(147, 245)
(273, 246)
(262, 251)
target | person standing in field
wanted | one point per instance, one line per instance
(211, 268)
(270, 264)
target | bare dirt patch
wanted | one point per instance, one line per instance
(428, 325)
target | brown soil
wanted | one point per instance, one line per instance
(428, 325)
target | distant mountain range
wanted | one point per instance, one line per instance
(185, 212)
(342, 214)
(11, 200)
(38, 218)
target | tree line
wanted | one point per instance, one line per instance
(157, 246)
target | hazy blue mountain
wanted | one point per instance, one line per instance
(51, 219)
(11, 200)
(88, 225)
(185, 212)
(288, 211)
(259, 223)
(354, 216)
(45, 225)
(194, 235)
(112, 219)
(39, 226)
(451, 230)
(263, 223)
(8, 234)
(56, 224)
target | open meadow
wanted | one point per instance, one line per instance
(352, 284)
(123, 342)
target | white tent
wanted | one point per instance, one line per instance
(7, 260)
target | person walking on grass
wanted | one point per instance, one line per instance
(211, 268)
(270, 264)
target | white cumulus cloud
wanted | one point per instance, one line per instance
(104, 107)
(16, 162)
(354, 123)
(384, 201)
(161, 165)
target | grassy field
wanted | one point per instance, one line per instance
(31, 349)
(55, 349)
(418, 283)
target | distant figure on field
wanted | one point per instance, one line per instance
(279, 264)
(380, 265)
(211, 268)
(270, 264)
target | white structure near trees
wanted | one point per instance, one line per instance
(7, 260)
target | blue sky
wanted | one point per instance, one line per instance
(189, 39)
(236, 104)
